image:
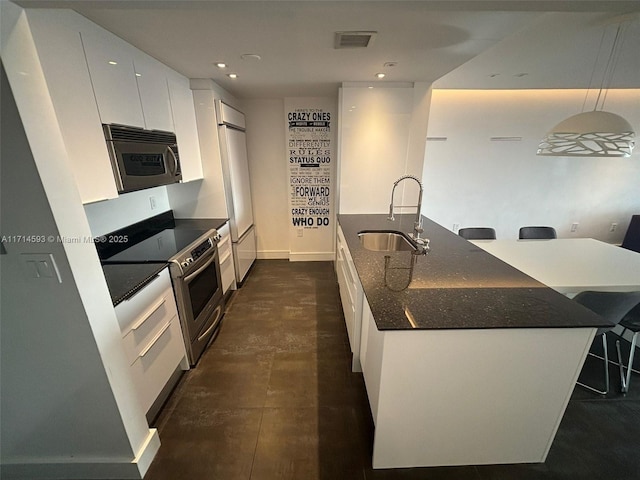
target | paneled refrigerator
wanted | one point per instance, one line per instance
(235, 167)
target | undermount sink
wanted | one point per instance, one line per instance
(385, 241)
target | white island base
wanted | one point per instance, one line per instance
(468, 397)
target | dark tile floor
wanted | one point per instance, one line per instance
(274, 398)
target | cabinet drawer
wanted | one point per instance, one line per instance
(150, 325)
(224, 247)
(227, 271)
(225, 252)
(130, 310)
(146, 315)
(225, 240)
(155, 365)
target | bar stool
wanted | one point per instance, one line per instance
(537, 233)
(477, 233)
(630, 322)
(613, 306)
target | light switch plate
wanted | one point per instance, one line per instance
(40, 266)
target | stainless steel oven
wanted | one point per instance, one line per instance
(195, 273)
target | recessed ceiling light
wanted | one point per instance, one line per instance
(250, 56)
(221, 65)
(380, 75)
(111, 62)
(232, 75)
(520, 74)
(390, 64)
(138, 74)
(493, 75)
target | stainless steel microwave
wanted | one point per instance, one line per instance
(142, 158)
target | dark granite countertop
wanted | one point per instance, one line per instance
(125, 279)
(455, 286)
(201, 223)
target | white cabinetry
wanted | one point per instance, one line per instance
(151, 78)
(95, 77)
(371, 346)
(152, 337)
(186, 128)
(351, 295)
(113, 76)
(130, 86)
(67, 76)
(225, 254)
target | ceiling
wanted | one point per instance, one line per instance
(455, 43)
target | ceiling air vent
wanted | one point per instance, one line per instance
(354, 39)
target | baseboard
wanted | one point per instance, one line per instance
(295, 256)
(89, 469)
(272, 255)
(311, 256)
(147, 452)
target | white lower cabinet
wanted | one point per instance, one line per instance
(351, 295)
(225, 254)
(152, 337)
(371, 346)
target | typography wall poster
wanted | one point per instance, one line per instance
(310, 138)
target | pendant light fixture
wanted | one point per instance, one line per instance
(596, 133)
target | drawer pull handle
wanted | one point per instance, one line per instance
(145, 316)
(224, 258)
(154, 340)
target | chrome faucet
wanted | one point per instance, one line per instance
(417, 224)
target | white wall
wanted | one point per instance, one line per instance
(268, 170)
(472, 181)
(128, 208)
(382, 137)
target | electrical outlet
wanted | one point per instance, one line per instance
(613, 227)
(300, 231)
(574, 227)
(152, 202)
(456, 227)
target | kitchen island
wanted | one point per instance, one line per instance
(466, 360)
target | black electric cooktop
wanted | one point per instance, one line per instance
(157, 248)
(154, 240)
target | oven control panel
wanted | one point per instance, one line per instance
(200, 250)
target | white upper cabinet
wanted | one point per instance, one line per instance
(95, 77)
(57, 39)
(151, 77)
(110, 62)
(184, 121)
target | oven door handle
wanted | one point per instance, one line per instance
(215, 323)
(191, 276)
